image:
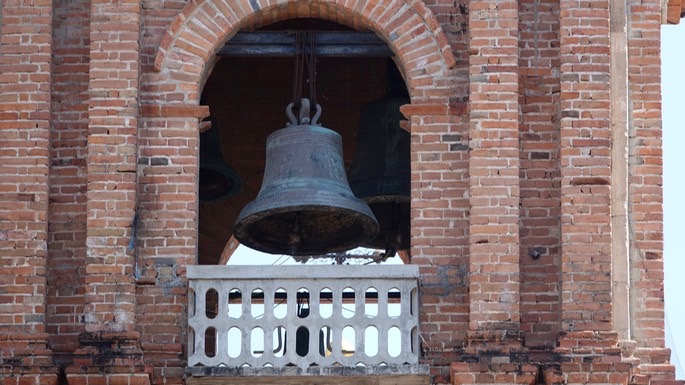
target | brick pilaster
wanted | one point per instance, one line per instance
(494, 165)
(646, 195)
(25, 81)
(167, 240)
(646, 175)
(68, 175)
(585, 166)
(110, 347)
(539, 154)
(112, 155)
(440, 226)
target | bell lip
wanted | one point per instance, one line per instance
(380, 203)
(304, 198)
(251, 214)
(228, 172)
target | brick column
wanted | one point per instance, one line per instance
(25, 79)
(585, 167)
(110, 340)
(646, 175)
(646, 192)
(494, 166)
(167, 240)
(540, 175)
(494, 192)
(439, 238)
(68, 176)
(112, 148)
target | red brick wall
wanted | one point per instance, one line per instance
(510, 182)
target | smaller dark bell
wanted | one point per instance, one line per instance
(305, 206)
(380, 173)
(218, 180)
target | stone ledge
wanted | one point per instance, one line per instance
(319, 371)
(343, 375)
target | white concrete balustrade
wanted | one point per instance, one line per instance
(303, 316)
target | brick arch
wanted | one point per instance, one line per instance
(409, 28)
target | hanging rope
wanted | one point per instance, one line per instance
(311, 66)
(305, 54)
(298, 70)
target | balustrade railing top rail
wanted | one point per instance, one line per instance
(303, 316)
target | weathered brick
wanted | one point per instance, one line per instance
(511, 179)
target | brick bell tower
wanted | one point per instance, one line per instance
(536, 182)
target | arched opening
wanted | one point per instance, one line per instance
(247, 95)
(186, 67)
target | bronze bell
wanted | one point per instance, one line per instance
(305, 206)
(380, 173)
(218, 180)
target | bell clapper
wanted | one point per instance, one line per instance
(294, 237)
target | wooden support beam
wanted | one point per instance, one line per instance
(328, 44)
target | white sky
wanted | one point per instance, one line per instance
(673, 84)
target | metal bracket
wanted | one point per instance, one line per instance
(304, 113)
